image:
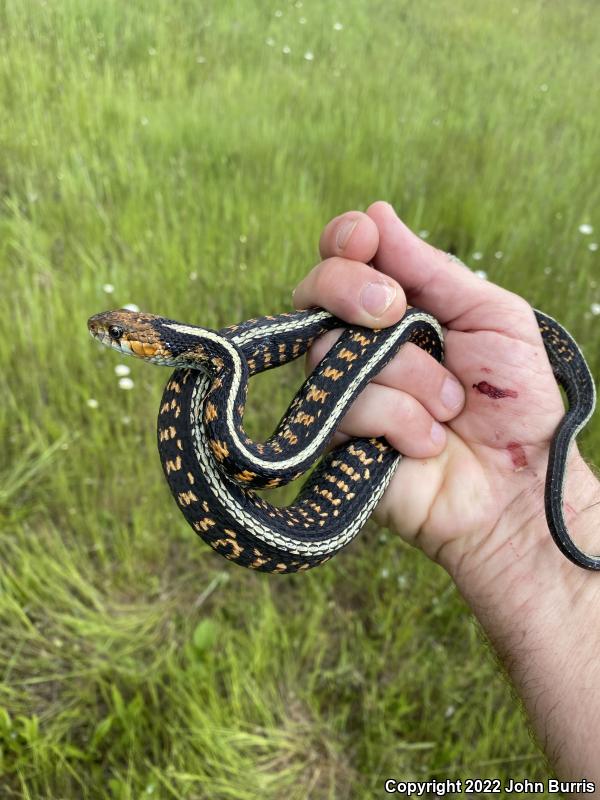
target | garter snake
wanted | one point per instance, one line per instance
(214, 469)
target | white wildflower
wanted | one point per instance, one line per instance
(108, 288)
(121, 370)
(131, 307)
(481, 273)
(92, 403)
(126, 383)
(309, 56)
(586, 229)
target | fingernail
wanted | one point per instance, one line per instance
(452, 393)
(344, 233)
(376, 298)
(437, 433)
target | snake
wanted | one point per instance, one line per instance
(215, 471)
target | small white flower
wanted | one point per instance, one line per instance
(543, 87)
(121, 370)
(481, 273)
(279, 13)
(270, 41)
(126, 383)
(309, 56)
(144, 121)
(152, 51)
(337, 26)
(108, 288)
(595, 309)
(302, 20)
(286, 50)
(547, 270)
(385, 573)
(424, 234)
(243, 238)
(401, 581)
(92, 403)
(126, 420)
(131, 307)
(193, 276)
(586, 229)
(200, 60)
(593, 246)
(498, 254)
(298, 3)
(243, 267)
(449, 712)
(477, 256)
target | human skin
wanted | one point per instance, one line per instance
(469, 492)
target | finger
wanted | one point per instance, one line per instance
(435, 282)
(404, 422)
(353, 291)
(413, 371)
(353, 235)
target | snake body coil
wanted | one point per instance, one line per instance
(213, 468)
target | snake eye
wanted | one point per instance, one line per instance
(115, 332)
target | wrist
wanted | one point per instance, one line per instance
(541, 613)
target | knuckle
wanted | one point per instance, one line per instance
(404, 409)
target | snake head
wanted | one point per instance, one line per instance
(154, 339)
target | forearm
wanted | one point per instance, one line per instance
(542, 615)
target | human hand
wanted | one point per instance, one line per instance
(465, 488)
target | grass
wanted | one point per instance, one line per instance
(173, 150)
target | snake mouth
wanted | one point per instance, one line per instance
(128, 333)
(126, 346)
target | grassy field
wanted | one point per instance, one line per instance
(184, 156)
